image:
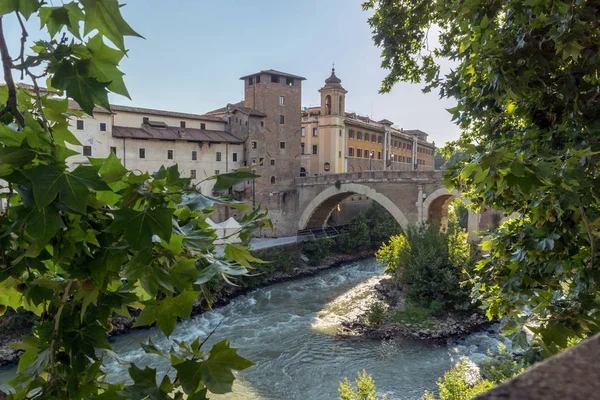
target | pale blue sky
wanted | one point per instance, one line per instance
(195, 50)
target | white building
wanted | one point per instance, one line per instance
(146, 139)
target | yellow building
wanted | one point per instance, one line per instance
(335, 141)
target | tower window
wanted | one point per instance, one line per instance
(315, 149)
(261, 161)
(281, 119)
(340, 133)
(250, 81)
(193, 174)
(302, 147)
(262, 123)
(274, 78)
(169, 154)
(340, 154)
(142, 153)
(282, 145)
(203, 126)
(87, 151)
(328, 105)
(289, 81)
(182, 124)
(80, 124)
(234, 155)
(218, 156)
(254, 145)
(281, 100)
(272, 180)
(272, 161)
(102, 126)
(194, 155)
(257, 78)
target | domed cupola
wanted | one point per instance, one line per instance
(333, 81)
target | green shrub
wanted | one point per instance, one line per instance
(436, 309)
(461, 382)
(383, 226)
(316, 250)
(365, 388)
(432, 265)
(412, 314)
(377, 313)
(502, 366)
(357, 237)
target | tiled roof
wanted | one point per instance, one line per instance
(162, 113)
(364, 124)
(275, 72)
(174, 133)
(239, 107)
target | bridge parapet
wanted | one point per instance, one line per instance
(372, 176)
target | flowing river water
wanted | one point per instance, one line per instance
(288, 330)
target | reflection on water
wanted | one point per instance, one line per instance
(286, 330)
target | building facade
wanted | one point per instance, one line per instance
(336, 141)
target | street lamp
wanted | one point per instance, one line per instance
(392, 162)
(371, 161)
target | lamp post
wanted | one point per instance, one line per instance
(392, 162)
(371, 161)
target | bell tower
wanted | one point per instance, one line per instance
(332, 132)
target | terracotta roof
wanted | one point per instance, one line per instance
(162, 113)
(274, 72)
(239, 107)
(174, 133)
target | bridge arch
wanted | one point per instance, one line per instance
(318, 211)
(435, 207)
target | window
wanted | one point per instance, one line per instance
(359, 135)
(218, 156)
(254, 145)
(262, 123)
(282, 145)
(289, 81)
(327, 166)
(379, 155)
(366, 136)
(315, 132)
(351, 152)
(302, 147)
(253, 161)
(113, 150)
(340, 154)
(102, 127)
(217, 172)
(359, 153)
(272, 161)
(182, 124)
(203, 126)
(80, 124)
(281, 100)
(193, 174)
(142, 153)
(281, 119)
(257, 78)
(145, 120)
(374, 139)
(272, 180)
(315, 149)
(234, 155)
(246, 123)
(169, 154)
(380, 139)
(340, 133)
(250, 81)
(274, 79)
(367, 154)
(194, 155)
(261, 161)
(303, 132)
(351, 134)
(87, 151)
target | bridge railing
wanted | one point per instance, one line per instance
(369, 175)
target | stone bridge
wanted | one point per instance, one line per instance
(410, 197)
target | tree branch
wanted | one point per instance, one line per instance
(36, 89)
(588, 228)
(7, 65)
(24, 36)
(51, 350)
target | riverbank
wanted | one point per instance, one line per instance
(387, 316)
(289, 265)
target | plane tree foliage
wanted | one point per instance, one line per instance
(78, 246)
(524, 75)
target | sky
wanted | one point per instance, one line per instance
(194, 52)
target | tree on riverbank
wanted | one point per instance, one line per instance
(78, 246)
(526, 83)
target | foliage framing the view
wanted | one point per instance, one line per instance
(526, 81)
(79, 246)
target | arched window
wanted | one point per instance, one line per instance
(328, 105)
(341, 106)
(272, 180)
(327, 166)
(302, 171)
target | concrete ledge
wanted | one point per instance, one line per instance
(571, 375)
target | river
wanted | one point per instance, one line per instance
(287, 330)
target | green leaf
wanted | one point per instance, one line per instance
(225, 181)
(197, 235)
(219, 267)
(25, 7)
(103, 65)
(199, 202)
(166, 311)
(144, 385)
(215, 373)
(85, 90)
(72, 188)
(110, 168)
(139, 226)
(105, 16)
(152, 277)
(42, 225)
(241, 255)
